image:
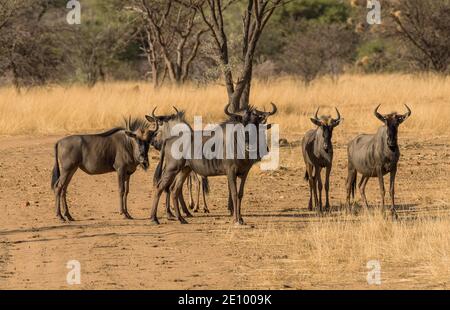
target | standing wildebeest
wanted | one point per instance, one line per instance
(174, 172)
(374, 156)
(120, 149)
(166, 124)
(317, 150)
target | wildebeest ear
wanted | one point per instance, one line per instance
(337, 122)
(150, 119)
(130, 134)
(315, 121)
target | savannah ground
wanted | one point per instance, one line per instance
(283, 245)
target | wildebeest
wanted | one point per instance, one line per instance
(120, 149)
(317, 150)
(166, 124)
(374, 156)
(169, 167)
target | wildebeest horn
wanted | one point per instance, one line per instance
(274, 109)
(407, 114)
(317, 112)
(153, 113)
(378, 115)
(227, 112)
(338, 114)
(176, 110)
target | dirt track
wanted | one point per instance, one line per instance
(209, 253)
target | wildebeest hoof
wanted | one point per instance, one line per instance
(192, 206)
(240, 222)
(70, 218)
(61, 218)
(206, 210)
(171, 217)
(188, 215)
(154, 221)
(183, 221)
(126, 216)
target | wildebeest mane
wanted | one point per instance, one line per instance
(130, 124)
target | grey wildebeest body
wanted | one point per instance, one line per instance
(317, 150)
(166, 124)
(374, 156)
(120, 149)
(171, 172)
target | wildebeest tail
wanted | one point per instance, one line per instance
(354, 185)
(159, 167)
(306, 177)
(56, 173)
(205, 185)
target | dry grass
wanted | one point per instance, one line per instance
(77, 108)
(333, 252)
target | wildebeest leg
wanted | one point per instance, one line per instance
(192, 205)
(351, 180)
(199, 189)
(164, 183)
(125, 197)
(205, 205)
(240, 195)
(311, 185)
(327, 188)
(319, 185)
(176, 192)
(230, 202)
(64, 199)
(121, 173)
(169, 213)
(382, 191)
(362, 190)
(183, 204)
(61, 185)
(392, 191)
(232, 184)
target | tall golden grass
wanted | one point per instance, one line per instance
(333, 252)
(57, 109)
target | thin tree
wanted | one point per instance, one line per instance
(254, 18)
(172, 33)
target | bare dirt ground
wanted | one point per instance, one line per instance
(209, 253)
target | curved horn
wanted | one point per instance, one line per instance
(176, 110)
(338, 114)
(378, 115)
(274, 109)
(153, 113)
(317, 112)
(227, 112)
(407, 114)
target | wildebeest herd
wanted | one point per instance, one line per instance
(123, 149)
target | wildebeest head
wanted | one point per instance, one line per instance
(141, 137)
(251, 115)
(392, 121)
(165, 123)
(255, 117)
(327, 124)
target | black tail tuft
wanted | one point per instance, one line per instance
(205, 185)
(56, 173)
(354, 186)
(159, 167)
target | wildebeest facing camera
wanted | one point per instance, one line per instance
(140, 146)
